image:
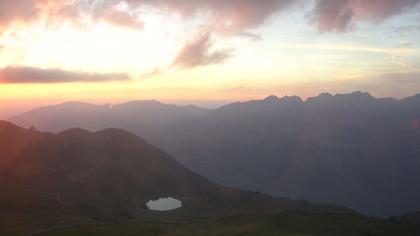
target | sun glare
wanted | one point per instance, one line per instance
(101, 47)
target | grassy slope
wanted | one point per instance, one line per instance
(287, 223)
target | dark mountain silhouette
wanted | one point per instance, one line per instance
(108, 175)
(348, 149)
(111, 172)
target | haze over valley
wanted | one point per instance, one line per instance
(347, 149)
(210, 117)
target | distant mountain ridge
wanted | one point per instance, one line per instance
(348, 149)
(146, 114)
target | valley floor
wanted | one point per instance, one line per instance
(290, 223)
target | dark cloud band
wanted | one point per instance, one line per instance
(16, 75)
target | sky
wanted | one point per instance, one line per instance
(204, 52)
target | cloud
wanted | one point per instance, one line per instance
(340, 16)
(109, 11)
(122, 19)
(15, 75)
(228, 17)
(236, 89)
(407, 29)
(225, 16)
(155, 72)
(57, 12)
(17, 10)
(198, 52)
(251, 36)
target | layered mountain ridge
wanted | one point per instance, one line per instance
(347, 149)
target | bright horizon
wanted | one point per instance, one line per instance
(204, 52)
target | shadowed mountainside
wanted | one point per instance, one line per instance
(348, 149)
(107, 176)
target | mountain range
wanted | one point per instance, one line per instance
(78, 182)
(348, 149)
(76, 176)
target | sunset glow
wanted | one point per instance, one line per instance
(204, 52)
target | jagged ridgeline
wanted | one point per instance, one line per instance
(347, 149)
